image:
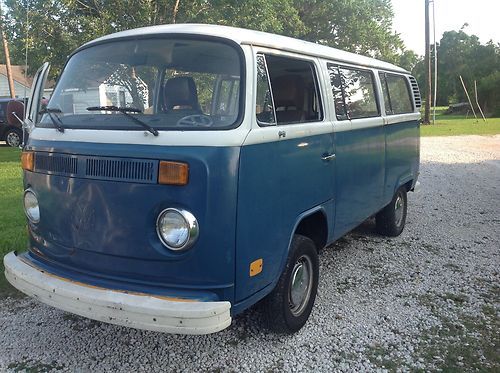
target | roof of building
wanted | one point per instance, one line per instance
(17, 74)
(257, 38)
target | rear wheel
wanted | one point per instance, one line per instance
(289, 305)
(391, 219)
(14, 137)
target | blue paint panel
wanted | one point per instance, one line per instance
(102, 232)
(360, 175)
(403, 155)
(260, 233)
(106, 229)
(278, 182)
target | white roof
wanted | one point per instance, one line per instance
(258, 38)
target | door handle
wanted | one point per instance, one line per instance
(281, 134)
(327, 157)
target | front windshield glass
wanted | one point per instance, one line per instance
(166, 83)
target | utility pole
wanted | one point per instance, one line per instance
(7, 57)
(427, 67)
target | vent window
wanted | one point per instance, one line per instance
(416, 92)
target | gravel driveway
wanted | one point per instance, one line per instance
(427, 299)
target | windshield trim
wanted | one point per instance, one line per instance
(186, 36)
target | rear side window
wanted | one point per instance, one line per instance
(295, 96)
(353, 92)
(397, 97)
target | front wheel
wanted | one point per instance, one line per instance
(392, 218)
(288, 306)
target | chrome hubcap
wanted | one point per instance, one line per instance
(13, 139)
(300, 286)
(398, 210)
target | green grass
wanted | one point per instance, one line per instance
(455, 125)
(466, 343)
(12, 220)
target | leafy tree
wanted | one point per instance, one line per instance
(408, 59)
(57, 27)
(362, 26)
(460, 54)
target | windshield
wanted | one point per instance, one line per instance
(166, 83)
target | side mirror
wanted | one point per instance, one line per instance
(15, 113)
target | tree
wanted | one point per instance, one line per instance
(57, 27)
(460, 54)
(362, 26)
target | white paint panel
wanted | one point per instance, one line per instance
(398, 118)
(361, 123)
(292, 131)
(234, 137)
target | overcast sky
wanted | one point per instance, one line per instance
(483, 17)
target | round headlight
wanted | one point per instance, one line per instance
(177, 228)
(31, 207)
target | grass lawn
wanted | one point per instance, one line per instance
(454, 125)
(12, 220)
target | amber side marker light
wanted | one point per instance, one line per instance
(28, 161)
(173, 173)
(256, 267)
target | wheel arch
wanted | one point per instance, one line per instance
(315, 214)
(407, 183)
(313, 224)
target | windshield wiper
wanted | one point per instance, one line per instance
(54, 118)
(126, 111)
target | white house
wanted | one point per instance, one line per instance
(22, 83)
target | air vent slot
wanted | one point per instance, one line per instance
(121, 169)
(56, 163)
(416, 92)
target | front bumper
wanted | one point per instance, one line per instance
(136, 310)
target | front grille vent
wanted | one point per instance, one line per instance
(143, 171)
(120, 169)
(416, 92)
(56, 163)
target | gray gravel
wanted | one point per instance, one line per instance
(425, 300)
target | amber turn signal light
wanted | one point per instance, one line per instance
(28, 161)
(173, 173)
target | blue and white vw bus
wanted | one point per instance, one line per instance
(180, 174)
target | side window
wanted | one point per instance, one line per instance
(295, 90)
(264, 106)
(399, 93)
(2, 112)
(359, 93)
(338, 95)
(353, 93)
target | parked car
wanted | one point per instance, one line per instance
(11, 133)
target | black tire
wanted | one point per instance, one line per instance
(391, 219)
(281, 314)
(14, 137)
